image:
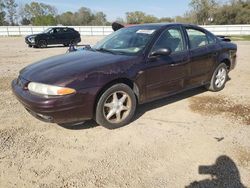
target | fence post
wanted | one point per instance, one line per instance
(7, 31)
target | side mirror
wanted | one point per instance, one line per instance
(161, 52)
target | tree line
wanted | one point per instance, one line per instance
(203, 12)
(36, 14)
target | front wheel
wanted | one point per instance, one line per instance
(219, 78)
(116, 106)
(42, 44)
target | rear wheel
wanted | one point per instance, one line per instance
(219, 78)
(42, 43)
(66, 44)
(73, 42)
(116, 106)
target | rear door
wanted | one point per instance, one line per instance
(202, 54)
(67, 36)
(166, 75)
(61, 35)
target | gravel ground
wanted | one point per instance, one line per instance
(175, 142)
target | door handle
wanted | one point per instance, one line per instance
(183, 62)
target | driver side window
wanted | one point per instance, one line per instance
(171, 39)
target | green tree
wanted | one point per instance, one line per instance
(11, 8)
(23, 18)
(39, 9)
(150, 19)
(166, 20)
(236, 12)
(188, 17)
(44, 20)
(99, 19)
(40, 13)
(66, 18)
(2, 12)
(83, 16)
(136, 17)
(139, 17)
(203, 10)
(120, 20)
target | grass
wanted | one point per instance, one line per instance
(240, 38)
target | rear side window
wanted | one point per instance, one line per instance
(58, 30)
(211, 39)
(197, 38)
(172, 39)
(65, 30)
(72, 30)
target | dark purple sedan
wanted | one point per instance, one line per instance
(134, 65)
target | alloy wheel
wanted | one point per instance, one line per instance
(117, 107)
(221, 77)
(42, 44)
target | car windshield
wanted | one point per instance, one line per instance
(129, 41)
(47, 30)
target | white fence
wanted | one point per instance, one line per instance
(106, 30)
(28, 30)
(228, 30)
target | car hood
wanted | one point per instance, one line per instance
(64, 69)
(35, 35)
(31, 35)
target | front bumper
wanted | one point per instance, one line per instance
(27, 41)
(64, 109)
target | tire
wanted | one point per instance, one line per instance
(30, 46)
(73, 42)
(219, 78)
(42, 44)
(115, 112)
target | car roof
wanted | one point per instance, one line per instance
(160, 25)
(61, 27)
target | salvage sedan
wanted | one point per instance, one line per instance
(133, 65)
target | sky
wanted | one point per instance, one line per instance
(117, 8)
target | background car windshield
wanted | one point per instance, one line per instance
(130, 40)
(47, 30)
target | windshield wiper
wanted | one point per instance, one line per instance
(105, 50)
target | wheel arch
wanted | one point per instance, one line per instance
(126, 81)
(227, 62)
(224, 58)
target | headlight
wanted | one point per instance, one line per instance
(31, 39)
(49, 90)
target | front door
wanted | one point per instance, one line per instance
(52, 36)
(166, 75)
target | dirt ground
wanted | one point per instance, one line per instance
(175, 142)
